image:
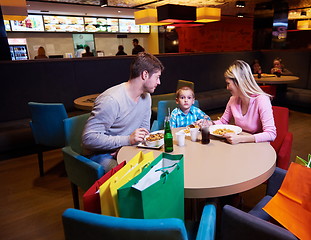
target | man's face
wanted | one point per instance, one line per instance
(152, 81)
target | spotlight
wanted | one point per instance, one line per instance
(103, 3)
(240, 4)
(240, 15)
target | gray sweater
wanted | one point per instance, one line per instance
(113, 118)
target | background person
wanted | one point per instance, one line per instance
(279, 68)
(137, 48)
(256, 68)
(186, 113)
(41, 53)
(88, 52)
(120, 51)
(249, 106)
(121, 114)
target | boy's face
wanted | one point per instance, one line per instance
(185, 100)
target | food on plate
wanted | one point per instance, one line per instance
(222, 131)
(187, 129)
(155, 137)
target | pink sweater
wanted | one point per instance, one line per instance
(258, 119)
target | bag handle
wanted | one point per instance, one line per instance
(166, 173)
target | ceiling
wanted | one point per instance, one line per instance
(126, 8)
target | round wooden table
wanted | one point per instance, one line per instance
(85, 102)
(218, 168)
(273, 79)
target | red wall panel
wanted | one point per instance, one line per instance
(229, 34)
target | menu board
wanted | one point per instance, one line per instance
(93, 24)
(7, 25)
(128, 26)
(32, 23)
(63, 24)
(144, 28)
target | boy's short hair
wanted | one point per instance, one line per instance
(184, 89)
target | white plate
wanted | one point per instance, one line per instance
(156, 143)
(234, 128)
(142, 145)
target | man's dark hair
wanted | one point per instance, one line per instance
(145, 62)
(135, 40)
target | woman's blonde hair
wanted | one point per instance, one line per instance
(241, 74)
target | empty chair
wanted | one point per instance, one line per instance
(273, 185)
(270, 89)
(163, 107)
(80, 225)
(284, 139)
(237, 224)
(82, 172)
(47, 127)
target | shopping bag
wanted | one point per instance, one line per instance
(91, 200)
(158, 192)
(291, 206)
(131, 169)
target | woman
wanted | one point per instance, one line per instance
(41, 53)
(279, 68)
(249, 106)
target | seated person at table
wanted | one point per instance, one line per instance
(186, 113)
(88, 52)
(256, 67)
(279, 68)
(249, 106)
(121, 114)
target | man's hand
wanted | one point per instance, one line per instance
(138, 135)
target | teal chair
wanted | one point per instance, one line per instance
(81, 171)
(81, 225)
(47, 127)
(163, 107)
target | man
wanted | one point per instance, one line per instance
(137, 48)
(121, 114)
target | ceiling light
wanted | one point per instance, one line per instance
(176, 13)
(208, 14)
(148, 17)
(240, 4)
(240, 15)
(103, 3)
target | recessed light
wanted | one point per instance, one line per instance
(240, 4)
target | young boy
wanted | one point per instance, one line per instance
(186, 113)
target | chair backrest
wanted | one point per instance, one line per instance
(47, 123)
(280, 115)
(80, 225)
(73, 131)
(184, 83)
(237, 224)
(163, 107)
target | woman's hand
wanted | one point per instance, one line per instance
(201, 123)
(138, 135)
(232, 138)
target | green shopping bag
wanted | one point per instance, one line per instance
(157, 192)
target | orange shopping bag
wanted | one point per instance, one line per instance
(291, 206)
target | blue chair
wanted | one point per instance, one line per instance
(273, 185)
(163, 111)
(47, 127)
(80, 225)
(237, 224)
(81, 171)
